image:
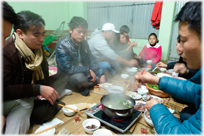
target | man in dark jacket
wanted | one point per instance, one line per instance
(23, 65)
(74, 58)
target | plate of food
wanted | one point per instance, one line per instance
(140, 106)
(149, 97)
(134, 95)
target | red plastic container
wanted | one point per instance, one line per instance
(54, 69)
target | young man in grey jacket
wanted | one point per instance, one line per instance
(105, 56)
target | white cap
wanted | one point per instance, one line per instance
(109, 26)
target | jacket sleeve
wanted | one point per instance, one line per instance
(142, 53)
(159, 54)
(12, 88)
(65, 61)
(182, 89)
(167, 123)
(93, 65)
(103, 48)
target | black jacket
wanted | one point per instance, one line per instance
(16, 77)
(67, 58)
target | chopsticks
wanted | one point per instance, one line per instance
(70, 108)
(97, 92)
(105, 84)
(47, 129)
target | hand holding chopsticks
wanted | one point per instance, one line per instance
(70, 108)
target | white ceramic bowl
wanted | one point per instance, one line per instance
(69, 112)
(134, 68)
(149, 62)
(103, 132)
(143, 90)
(162, 69)
(116, 89)
(89, 122)
(131, 71)
(124, 76)
(105, 85)
(149, 121)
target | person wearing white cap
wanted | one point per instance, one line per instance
(105, 56)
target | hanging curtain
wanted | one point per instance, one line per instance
(156, 14)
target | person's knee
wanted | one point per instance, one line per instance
(105, 65)
(78, 80)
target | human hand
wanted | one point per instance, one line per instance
(151, 103)
(180, 68)
(133, 44)
(39, 97)
(49, 93)
(181, 78)
(145, 77)
(133, 62)
(161, 65)
(93, 75)
(102, 79)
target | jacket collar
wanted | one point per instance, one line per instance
(156, 46)
(72, 43)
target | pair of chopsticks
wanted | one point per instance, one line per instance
(97, 92)
(70, 108)
(105, 84)
(47, 129)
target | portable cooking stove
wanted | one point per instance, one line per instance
(121, 125)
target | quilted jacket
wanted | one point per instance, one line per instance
(67, 58)
(167, 123)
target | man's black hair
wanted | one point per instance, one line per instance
(78, 21)
(124, 29)
(27, 19)
(178, 39)
(191, 13)
(9, 13)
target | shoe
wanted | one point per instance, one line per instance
(85, 92)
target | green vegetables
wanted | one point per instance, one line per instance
(124, 102)
(51, 72)
(156, 87)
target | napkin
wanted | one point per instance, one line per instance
(55, 121)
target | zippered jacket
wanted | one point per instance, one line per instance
(167, 123)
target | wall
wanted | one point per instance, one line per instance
(54, 13)
(165, 31)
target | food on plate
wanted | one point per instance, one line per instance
(91, 126)
(147, 115)
(149, 97)
(140, 107)
(156, 87)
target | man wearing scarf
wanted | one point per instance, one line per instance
(23, 65)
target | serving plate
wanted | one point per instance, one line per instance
(140, 106)
(148, 97)
(134, 95)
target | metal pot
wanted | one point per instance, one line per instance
(117, 106)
